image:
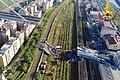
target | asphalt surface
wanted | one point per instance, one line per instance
(12, 16)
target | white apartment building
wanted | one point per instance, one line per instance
(28, 29)
(9, 49)
(12, 25)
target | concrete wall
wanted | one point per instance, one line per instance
(1, 22)
(29, 30)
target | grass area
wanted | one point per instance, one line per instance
(60, 35)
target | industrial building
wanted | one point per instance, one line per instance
(105, 72)
(112, 42)
(108, 28)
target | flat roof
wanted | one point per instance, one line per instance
(109, 24)
(110, 39)
(17, 33)
(106, 72)
(12, 39)
(4, 48)
(116, 74)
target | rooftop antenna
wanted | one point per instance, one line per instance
(13, 10)
(20, 7)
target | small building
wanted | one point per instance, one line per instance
(4, 35)
(112, 42)
(105, 72)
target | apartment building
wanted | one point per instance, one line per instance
(9, 49)
(4, 35)
(12, 25)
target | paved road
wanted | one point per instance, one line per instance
(14, 17)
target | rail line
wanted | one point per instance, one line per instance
(89, 69)
(64, 38)
(93, 70)
(39, 55)
(82, 66)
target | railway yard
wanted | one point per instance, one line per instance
(54, 49)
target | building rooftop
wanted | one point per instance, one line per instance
(109, 24)
(3, 29)
(12, 39)
(106, 72)
(7, 24)
(17, 33)
(116, 74)
(110, 39)
(4, 48)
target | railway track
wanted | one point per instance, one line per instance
(39, 55)
(62, 70)
(82, 67)
(87, 70)
(82, 70)
(93, 71)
